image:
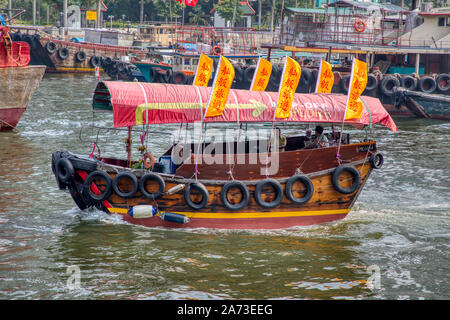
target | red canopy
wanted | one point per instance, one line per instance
(131, 102)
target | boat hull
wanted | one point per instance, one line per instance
(326, 203)
(17, 85)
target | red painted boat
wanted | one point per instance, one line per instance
(18, 80)
(231, 183)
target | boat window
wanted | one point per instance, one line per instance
(441, 22)
(194, 62)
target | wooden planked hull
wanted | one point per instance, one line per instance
(326, 204)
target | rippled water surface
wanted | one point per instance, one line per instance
(399, 225)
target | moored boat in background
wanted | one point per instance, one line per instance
(18, 80)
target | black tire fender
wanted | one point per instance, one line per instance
(179, 77)
(408, 82)
(344, 83)
(356, 177)
(306, 78)
(158, 179)
(244, 191)
(80, 56)
(90, 179)
(388, 84)
(376, 160)
(65, 170)
(125, 175)
(444, 77)
(249, 73)
(426, 81)
(372, 82)
(204, 192)
(95, 61)
(50, 47)
(307, 183)
(279, 191)
(63, 53)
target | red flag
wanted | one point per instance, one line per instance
(190, 3)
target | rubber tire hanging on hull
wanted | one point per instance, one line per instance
(155, 177)
(204, 192)
(443, 77)
(423, 83)
(309, 189)
(129, 176)
(385, 85)
(65, 171)
(50, 47)
(90, 179)
(278, 189)
(63, 53)
(376, 160)
(335, 179)
(80, 56)
(244, 191)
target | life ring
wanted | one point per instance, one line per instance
(217, 50)
(129, 176)
(158, 179)
(63, 53)
(356, 179)
(80, 56)
(50, 47)
(359, 26)
(278, 190)
(149, 160)
(426, 84)
(376, 160)
(388, 84)
(408, 82)
(95, 61)
(203, 191)
(308, 185)
(244, 192)
(90, 179)
(443, 82)
(65, 171)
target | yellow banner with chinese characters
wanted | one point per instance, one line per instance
(358, 82)
(221, 88)
(204, 71)
(91, 15)
(289, 82)
(325, 80)
(261, 76)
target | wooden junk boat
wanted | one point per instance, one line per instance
(18, 80)
(310, 186)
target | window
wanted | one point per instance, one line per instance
(441, 22)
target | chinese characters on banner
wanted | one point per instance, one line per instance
(221, 88)
(289, 82)
(261, 76)
(358, 82)
(325, 80)
(204, 71)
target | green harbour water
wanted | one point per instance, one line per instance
(399, 226)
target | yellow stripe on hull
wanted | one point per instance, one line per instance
(246, 215)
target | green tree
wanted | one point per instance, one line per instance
(229, 9)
